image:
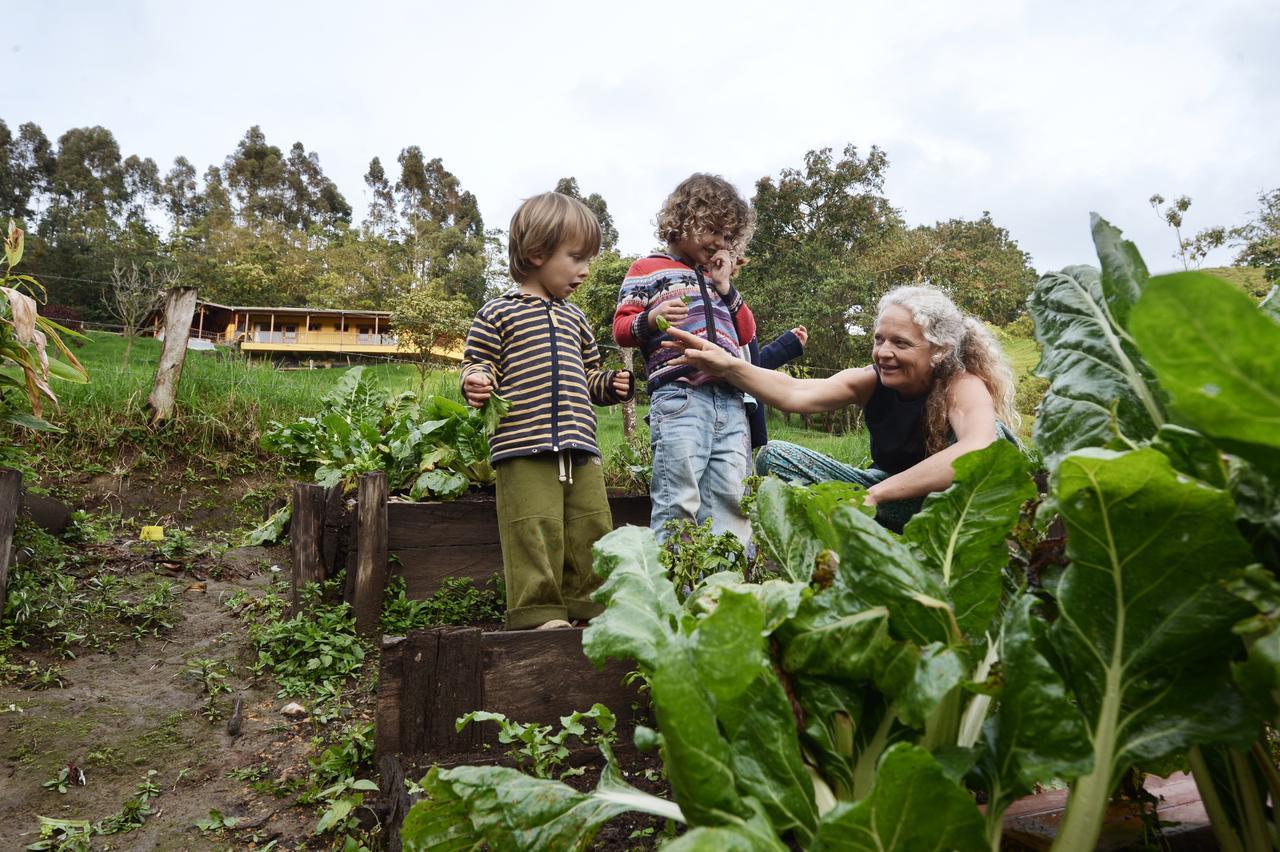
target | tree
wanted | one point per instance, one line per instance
(426, 319)
(382, 206)
(443, 231)
(132, 296)
(597, 205)
(26, 163)
(1191, 251)
(254, 175)
(181, 193)
(811, 260)
(980, 265)
(1259, 239)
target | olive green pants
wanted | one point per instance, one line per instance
(547, 529)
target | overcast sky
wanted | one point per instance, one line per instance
(1037, 111)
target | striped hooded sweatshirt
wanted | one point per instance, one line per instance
(658, 278)
(543, 359)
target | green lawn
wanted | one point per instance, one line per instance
(224, 404)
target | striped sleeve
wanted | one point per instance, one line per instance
(630, 319)
(599, 382)
(482, 353)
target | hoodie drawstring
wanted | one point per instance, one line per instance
(565, 458)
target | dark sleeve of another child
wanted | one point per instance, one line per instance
(782, 349)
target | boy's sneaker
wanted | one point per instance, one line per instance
(554, 624)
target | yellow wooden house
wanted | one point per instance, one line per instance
(313, 334)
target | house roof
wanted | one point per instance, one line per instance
(289, 310)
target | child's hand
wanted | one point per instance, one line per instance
(477, 387)
(721, 268)
(802, 333)
(673, 311)
(622, 383)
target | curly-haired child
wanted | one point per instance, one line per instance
(698, 425)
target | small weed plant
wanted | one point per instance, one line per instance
(457, 601)
(311, 654)
(539, 751)
(693, 552)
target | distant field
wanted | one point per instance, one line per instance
(224, 403)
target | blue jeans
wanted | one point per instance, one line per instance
(701, 457)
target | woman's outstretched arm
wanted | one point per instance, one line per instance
(972, 416)
(786, 393)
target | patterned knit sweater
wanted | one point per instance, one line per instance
(656, 279)
(543, 359)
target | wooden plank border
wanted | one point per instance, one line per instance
(431, 677)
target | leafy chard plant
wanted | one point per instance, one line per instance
(433, 448)
(857, 701)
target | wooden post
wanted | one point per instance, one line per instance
(629, 407)
(10, 497)
(371, 557)
(179, 307)
(305, 535)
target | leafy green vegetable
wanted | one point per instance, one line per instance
(1221, 369)
(1100, 386)
(495, 408)
(430, 449)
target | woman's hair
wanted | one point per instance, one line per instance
(542, 223)
(961, 344)
(707, 204)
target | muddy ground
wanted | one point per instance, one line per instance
(118, 712)
(123, 707)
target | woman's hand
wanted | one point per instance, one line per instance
(802, 334)
(674, 311)
(721, 267)
(703, 354)
(477, 388)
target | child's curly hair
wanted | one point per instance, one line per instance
(708, 204)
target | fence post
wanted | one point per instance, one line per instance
(304, 539)
(371, 556)
(180, 306)
(10, 497)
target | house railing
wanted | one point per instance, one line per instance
(317, 338)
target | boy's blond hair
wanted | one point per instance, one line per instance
(704, 203)
(542, 224)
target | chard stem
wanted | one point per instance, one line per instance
(1219, 820)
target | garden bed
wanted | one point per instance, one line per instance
(378, 538)
(429, 678)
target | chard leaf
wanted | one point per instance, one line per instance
(766, 757)
(728, 646)
(1220, 368)
(643, 614)
(696, 756)
(1099, 384)
(1124, 274)
(881, 570)
(783, 531)
(963, 531)
(495, 408)
(1192, 453)
(752, 835)
(913, 807)
(1037, 733)
(643, 622)
(469, 806)
(1143, 636)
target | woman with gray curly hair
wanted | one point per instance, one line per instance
(938, 387)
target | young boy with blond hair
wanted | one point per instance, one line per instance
(537, 351)
(697, 423)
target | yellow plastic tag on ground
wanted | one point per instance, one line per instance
(153, 533)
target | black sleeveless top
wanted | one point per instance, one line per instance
(896, 425)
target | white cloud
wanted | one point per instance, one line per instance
(1037, 112)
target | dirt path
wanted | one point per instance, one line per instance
(135, 709)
